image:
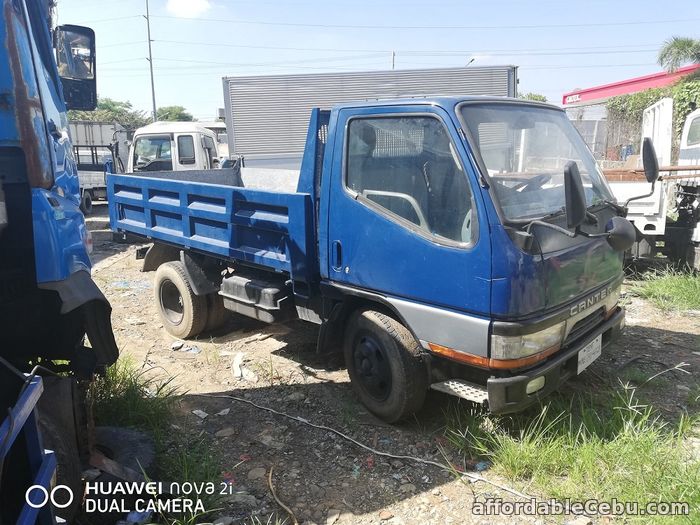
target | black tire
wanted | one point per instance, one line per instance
(217, 314)
(68, 466)
(183, 313)
(385, 365)
(86, 203)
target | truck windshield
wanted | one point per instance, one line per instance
(525, 149)
(153, 152)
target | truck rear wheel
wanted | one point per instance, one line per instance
(183, 313)
(385, 365)
(86, 203)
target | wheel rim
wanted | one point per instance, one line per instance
(372, 367)
(171, 302)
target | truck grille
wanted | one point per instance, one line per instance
(585, 325)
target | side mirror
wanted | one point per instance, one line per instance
(649, 160)
(75, 59)
(575, 198)
(621, 234)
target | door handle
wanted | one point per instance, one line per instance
(336, 255)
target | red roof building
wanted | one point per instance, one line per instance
(597, 94)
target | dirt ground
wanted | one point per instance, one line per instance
(323, 478)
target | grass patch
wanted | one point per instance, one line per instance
(586, 449)
(670, 290)
(129, 397)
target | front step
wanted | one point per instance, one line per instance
(463, 389)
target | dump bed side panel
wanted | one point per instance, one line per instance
(269, 229)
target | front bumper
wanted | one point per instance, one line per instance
(508, 394)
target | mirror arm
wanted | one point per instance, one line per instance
(554, 227)
(592, 235)
(653, 185)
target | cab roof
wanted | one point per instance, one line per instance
(173, 127)
(442, 101)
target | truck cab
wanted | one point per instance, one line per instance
(466, 244)
(173, 146)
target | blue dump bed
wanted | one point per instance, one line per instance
(270, 229)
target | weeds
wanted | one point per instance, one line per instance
(670, 290)
(127, 396)
(585, 449)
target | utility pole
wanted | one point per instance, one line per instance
(393, 60)
(150, 63)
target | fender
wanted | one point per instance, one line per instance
(158, 254)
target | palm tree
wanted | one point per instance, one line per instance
(678, 51)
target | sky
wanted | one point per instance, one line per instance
(558, 46)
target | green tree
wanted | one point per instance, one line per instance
(533, 96)
(174, 113)
(110, 110)
(677, 51)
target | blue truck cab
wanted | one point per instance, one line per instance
(465, 244)
(48, 300)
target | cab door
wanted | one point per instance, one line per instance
(404, 220)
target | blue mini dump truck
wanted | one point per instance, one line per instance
(48, 300)
(470, 245)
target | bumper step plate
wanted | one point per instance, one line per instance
(463, 389)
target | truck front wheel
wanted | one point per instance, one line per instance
(385, 365)
(183, 313)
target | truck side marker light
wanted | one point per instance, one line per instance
(501, 364)
(535, 385)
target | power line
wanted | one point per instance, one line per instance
(535, 51)
(475, 28)
(122, 61)
(246, 64)
(216, 69)
(120, 44)
(112, 19)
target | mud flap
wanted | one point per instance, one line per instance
(79, 291)
(98, 326)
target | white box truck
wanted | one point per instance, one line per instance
(267, 116)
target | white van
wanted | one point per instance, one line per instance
(173, 146)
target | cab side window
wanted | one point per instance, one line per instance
(185, 149)
(694, 132)
(408, 168)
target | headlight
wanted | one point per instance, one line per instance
(506, 347)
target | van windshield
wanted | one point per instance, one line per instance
(153, 152)
(525, 149)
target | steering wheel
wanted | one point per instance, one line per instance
(534, 183)
(140, 166)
